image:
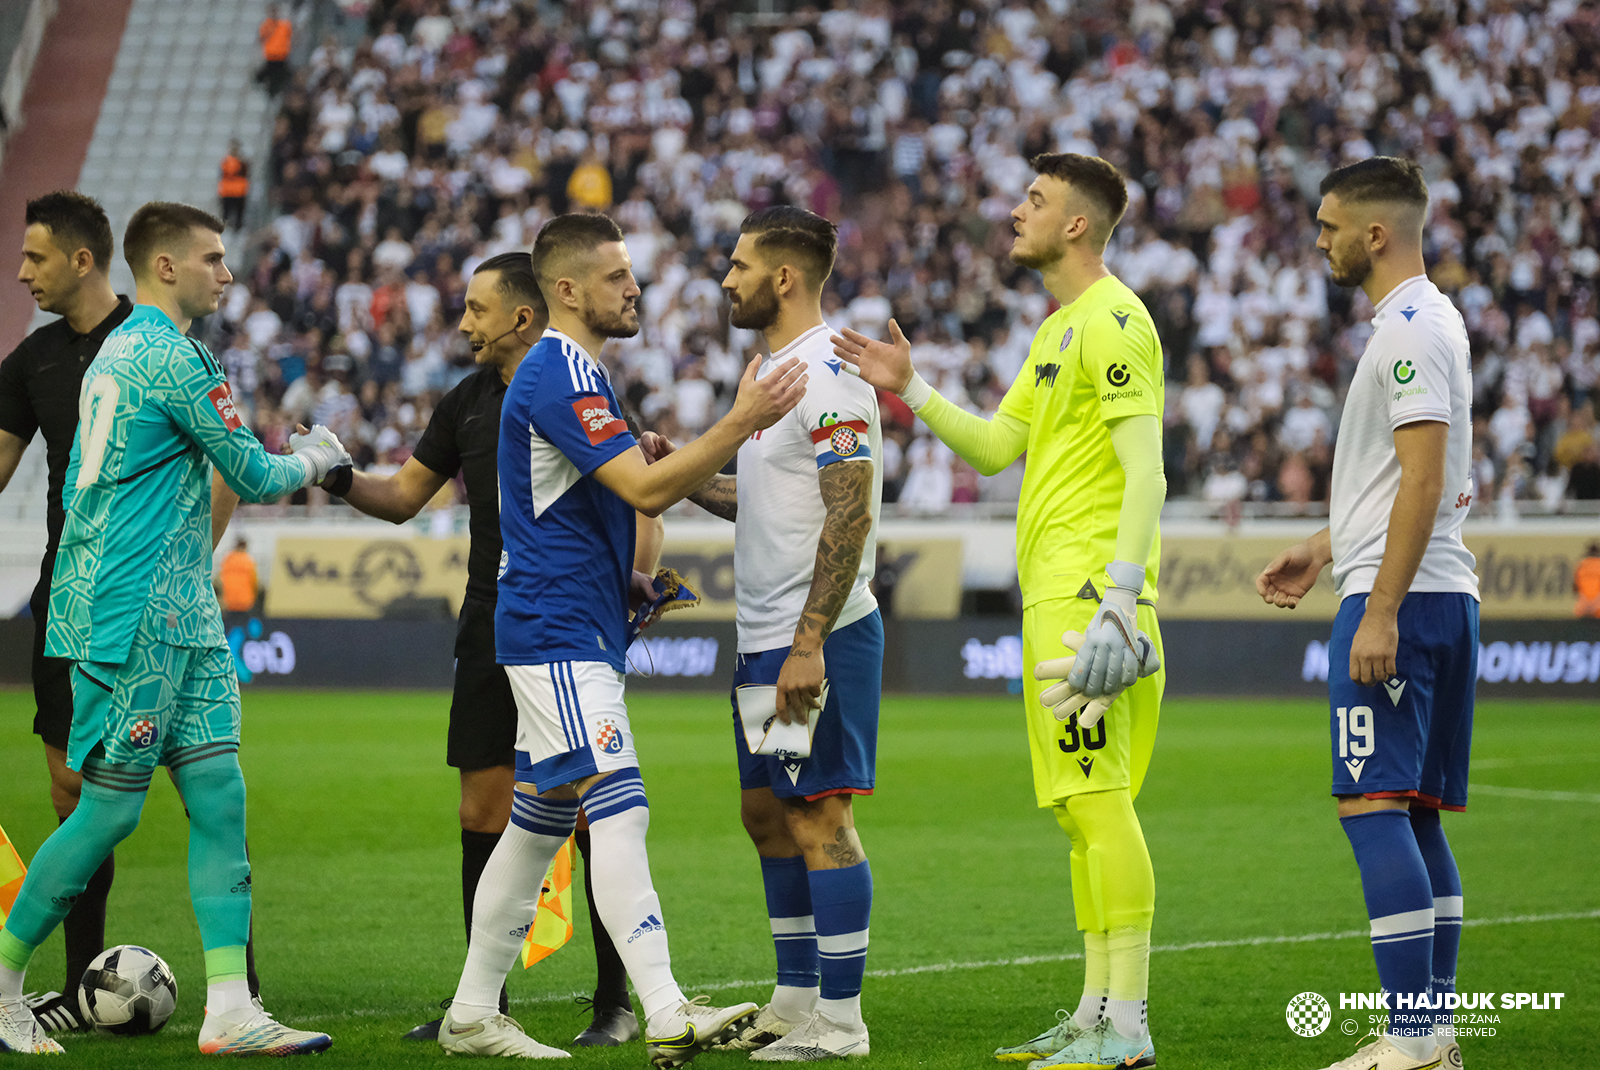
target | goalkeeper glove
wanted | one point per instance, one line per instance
(1109, 657)
(322, 449)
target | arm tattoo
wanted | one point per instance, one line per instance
(719, 497)
(847, 495)
(843, 851)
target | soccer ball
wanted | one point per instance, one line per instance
(127, 990)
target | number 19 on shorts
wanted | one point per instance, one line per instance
(1357, 734)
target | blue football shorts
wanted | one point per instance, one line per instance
(1409, 736)
(844, 748)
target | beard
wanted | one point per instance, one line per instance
(758, 311)
(1036, 259)
(1353, 271)
(621, 323)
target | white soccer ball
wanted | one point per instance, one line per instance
(128, 990)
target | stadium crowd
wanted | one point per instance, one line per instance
(447, 132)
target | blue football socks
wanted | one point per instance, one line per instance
(1400, 905)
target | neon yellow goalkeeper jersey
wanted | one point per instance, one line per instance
(1096, 360)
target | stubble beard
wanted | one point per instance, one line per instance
(610, 324)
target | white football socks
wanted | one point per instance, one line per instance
(508, 896)
(794, 1004)
(226, 996)
(845, 1012)
(631, 911)
(1096, 981)
(10, 982)
(1128, 952)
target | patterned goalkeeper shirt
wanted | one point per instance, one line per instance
(154, 415)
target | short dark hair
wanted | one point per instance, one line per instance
(517, 283)
(75, 222)
(804, 238)
(1091, 176)
(567, 236)
(157, 226)
(1380, 178)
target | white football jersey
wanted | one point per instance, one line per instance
(1416, 367)
(780, 500)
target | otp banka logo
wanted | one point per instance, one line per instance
(1117, 375)
(1404, 372)
(253, 654)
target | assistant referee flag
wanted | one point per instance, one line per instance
(552, 924)
(11, 873)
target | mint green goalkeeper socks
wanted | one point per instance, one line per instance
(108, 810)
(219, 873)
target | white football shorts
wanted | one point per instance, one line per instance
(572, 722)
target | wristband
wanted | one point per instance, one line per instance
(1126, 575)
(339, 481)
(917, 392)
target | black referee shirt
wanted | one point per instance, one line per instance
(464, 436)
(39, 385)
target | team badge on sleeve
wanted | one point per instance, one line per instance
(837, 440)
(222, 398)
(598, 421)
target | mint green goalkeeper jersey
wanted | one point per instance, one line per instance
(154, 414)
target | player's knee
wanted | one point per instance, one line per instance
(815, 825)
(763, 819)
(485, 802)
(63, 799)
(621, 792)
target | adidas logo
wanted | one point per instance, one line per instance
(522, 930)
(650, 924)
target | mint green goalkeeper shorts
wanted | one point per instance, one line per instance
(163, 701)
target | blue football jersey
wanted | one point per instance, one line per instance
(568, 552)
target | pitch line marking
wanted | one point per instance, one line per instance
(983, 964)
(1534, 793)
(1543, 759)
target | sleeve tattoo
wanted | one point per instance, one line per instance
(719, 497)
(847, 495)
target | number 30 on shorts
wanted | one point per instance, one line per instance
(1357, 732)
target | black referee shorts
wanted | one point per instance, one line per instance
(483, 712)
(52, 677)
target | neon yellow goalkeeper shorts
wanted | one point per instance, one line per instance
(1114, 753)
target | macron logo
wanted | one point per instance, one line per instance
(1355, 765)
(1408, 313)
(597, 419)
(833, 364)
(1396, 687)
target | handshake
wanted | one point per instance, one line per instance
(1108, 656)
(322, 451)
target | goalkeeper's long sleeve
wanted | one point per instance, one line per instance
(1137, 441)
(987, 445)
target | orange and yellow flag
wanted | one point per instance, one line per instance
(11, 873)
(552, 924)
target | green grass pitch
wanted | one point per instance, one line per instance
(353, 833)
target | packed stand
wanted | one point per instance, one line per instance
(451, 132)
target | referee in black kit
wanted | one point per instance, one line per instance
(505, 314)
(66, 263)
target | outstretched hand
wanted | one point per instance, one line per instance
(763, 402)
(885, 365)
(1289, 577)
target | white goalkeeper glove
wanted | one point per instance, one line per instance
(1109, 657)
(322, 449)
